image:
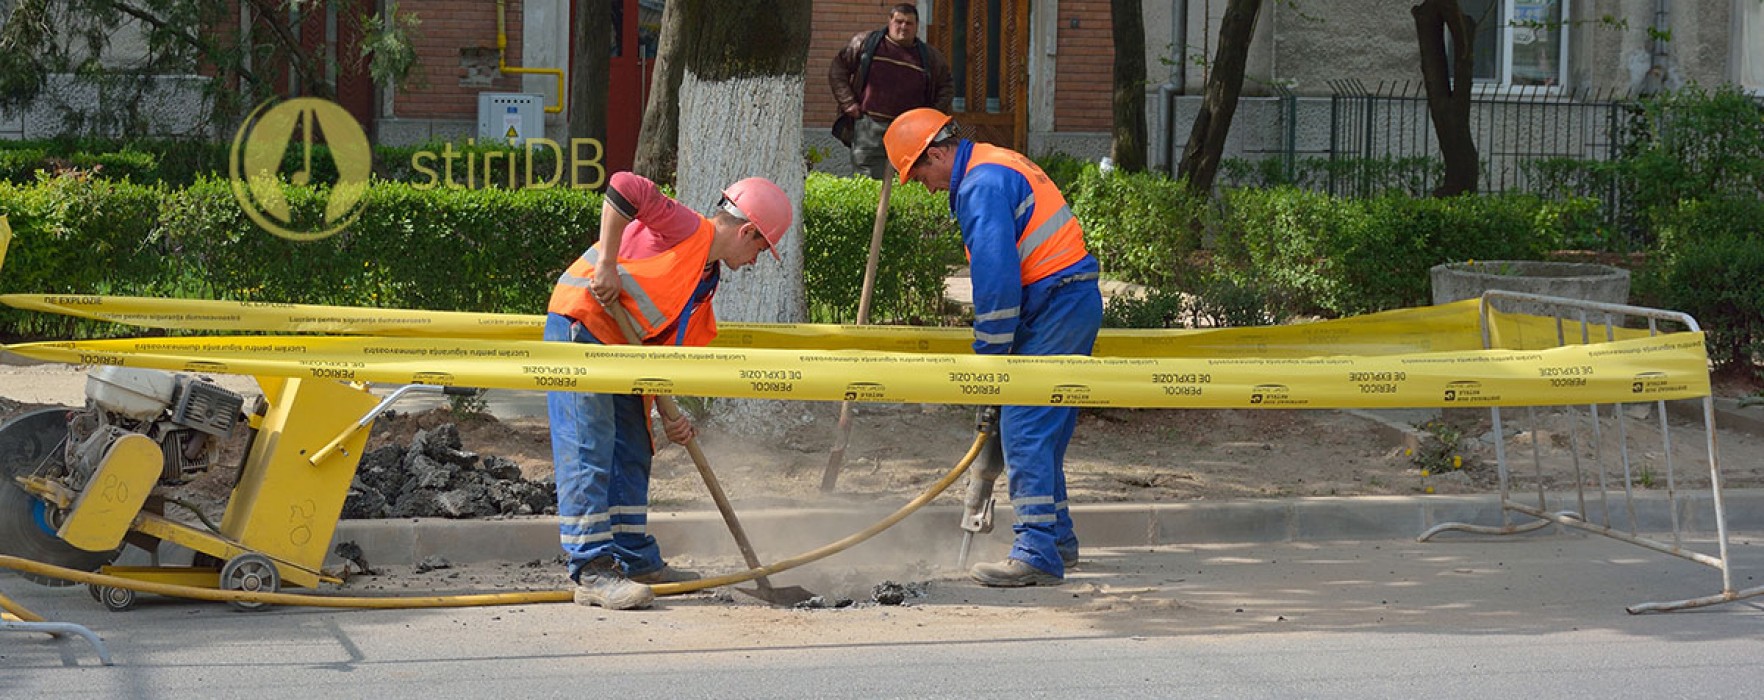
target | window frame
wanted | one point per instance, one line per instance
(1502, 81)
(1748, 44)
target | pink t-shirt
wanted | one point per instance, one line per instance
(658, 223)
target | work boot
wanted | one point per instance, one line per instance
(1069, 559)
(1012, 573)
(602, 583)
(667, 574)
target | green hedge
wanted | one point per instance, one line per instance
(1711, 265)
(184, 163)
(1320, 254)
(468, 250)
(1141, 227)
(920, 244)
(1304, 252)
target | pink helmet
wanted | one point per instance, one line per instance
(765, 204)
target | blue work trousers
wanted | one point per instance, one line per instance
(601, 449)
(1035, 437)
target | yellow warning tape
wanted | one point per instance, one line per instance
(1670, 366)
(1426, 329)
(5, 238)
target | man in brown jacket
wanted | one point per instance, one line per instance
(878, 76)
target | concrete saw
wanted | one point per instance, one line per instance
(34, 444)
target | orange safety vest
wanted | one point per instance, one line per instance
(1052, 241)
(655, 293)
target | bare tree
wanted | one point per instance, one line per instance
(1127, 148)
(659, 141)
(1437, 23)
(591, 70)
(1206, 142)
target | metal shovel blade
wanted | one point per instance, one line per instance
(782, 596)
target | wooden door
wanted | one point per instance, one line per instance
(987, 44)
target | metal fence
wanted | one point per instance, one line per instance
(1622, 480)
(1384, 135)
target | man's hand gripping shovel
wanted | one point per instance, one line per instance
(764, 590)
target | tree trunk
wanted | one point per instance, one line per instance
(1448, 94)
(658, 142)
(1206, 142)
(591, 70)
(1128, 147)
(741, 116)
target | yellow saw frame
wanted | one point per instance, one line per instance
(281, 516)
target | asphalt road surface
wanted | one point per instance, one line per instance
(1460, 617)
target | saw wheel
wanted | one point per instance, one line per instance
(31, 443)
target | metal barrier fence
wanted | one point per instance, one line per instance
(1610, 437)
(1512, 130)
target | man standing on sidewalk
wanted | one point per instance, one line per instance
(878, 76)
(1035, 293)
(660, 262)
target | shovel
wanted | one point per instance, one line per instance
(785, 596)
(836, 459)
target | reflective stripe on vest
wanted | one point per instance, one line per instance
(655, 291)
(1052, 240)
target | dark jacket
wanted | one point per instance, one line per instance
(845, 79)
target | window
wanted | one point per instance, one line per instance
(1519, 42)
(1748, 45)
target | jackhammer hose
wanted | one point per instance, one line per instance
(18, 611)
(477, 599)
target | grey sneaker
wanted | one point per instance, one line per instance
(601, 583)
(1012, 573)
(667, 574)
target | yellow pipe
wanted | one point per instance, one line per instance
(480, 599)
(20, 612)
(502, 63)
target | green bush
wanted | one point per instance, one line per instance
(1140, 226)
(183, 163)
(1156, 308)
(1711, 265)
(920, 244)
(1063, 169)
(465, 250)
(1311, 253)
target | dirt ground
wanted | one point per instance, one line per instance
(897, 450)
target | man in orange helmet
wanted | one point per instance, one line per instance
(1035, 293)
(661, 263)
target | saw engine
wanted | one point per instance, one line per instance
(73, 479)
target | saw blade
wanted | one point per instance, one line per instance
(28, 444)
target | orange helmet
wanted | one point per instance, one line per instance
(910, 134)
(763, 203)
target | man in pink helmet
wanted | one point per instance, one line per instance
(661, 263)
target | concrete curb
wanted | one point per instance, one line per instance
(931, 534)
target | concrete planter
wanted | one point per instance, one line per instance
(1585, 281)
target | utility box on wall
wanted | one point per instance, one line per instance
(510, 117)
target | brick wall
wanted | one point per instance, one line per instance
(834, 23)
(1083, 82)
(448, 26)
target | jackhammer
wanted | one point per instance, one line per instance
(977, 503)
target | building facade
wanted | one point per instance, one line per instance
(1033, 74)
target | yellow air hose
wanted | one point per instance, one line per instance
(16, 611)
(479, 599)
